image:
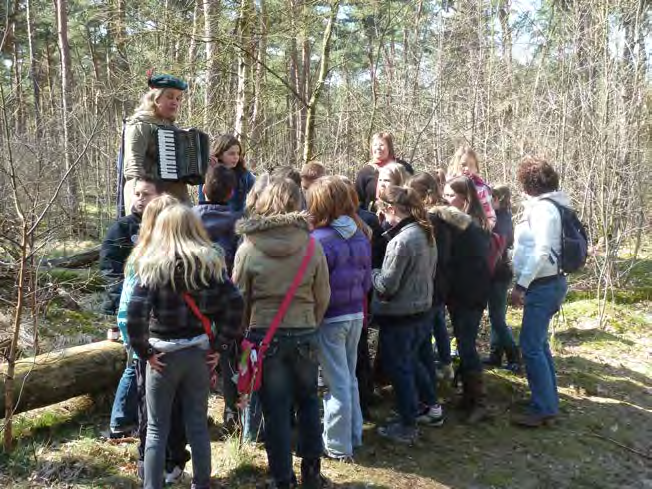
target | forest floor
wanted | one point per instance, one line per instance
(603, 438)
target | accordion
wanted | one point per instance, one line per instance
(183, 154)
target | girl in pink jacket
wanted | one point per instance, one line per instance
(465, 162)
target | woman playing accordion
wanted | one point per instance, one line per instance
(158, 108)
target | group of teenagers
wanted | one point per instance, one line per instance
(395, 249)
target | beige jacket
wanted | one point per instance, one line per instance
(267, 262)
(140, 152)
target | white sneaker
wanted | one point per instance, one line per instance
(431, 416)
(175, 476)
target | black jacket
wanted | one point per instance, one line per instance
(467, 275)
(118, 243)
(443, 236)
(378, 241)
(219, 221)
(504, 227)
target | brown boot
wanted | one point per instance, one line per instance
(531, 420)
(473, 397)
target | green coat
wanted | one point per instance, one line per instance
(140, 152)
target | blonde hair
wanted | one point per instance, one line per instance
(152, 211)
(281, 196)
(397, 173)
(252, 197)
(148, 102)
(180, 246)
(455, 165)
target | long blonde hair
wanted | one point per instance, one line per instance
(152, 211)
(455, 165)
(180, 246)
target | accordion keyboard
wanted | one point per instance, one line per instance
(167, 154)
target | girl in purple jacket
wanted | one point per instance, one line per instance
(348, 253)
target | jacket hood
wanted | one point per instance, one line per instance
(280, 235)
(558, 196)
(452, 216)
(345, 226)
(149, 118)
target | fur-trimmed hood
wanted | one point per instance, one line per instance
(452, 216)
(276, 236)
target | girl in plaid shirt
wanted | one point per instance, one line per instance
(182, 266)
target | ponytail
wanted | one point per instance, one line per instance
(408, 201)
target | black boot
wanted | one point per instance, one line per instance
(514, 360)
(311, 477)
(495, 358)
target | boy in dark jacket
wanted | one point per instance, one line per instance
(120, 240)
(118, 243)
(219, 220)
(215, 214)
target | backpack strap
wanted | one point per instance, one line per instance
(558, 256)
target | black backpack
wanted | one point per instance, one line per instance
(574, 241)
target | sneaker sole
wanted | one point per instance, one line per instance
(430, 422)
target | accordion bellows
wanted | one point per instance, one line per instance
(183, 155)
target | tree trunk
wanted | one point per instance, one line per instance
(210, 31)
(309, 139)
(192, 55)
(55, 377)
(257, 118)
(33, 69)
(66, 109)
(243, 91)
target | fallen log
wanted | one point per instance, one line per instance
(80, 260)
(54, 377)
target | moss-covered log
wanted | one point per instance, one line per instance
(57, 376)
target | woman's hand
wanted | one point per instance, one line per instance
(518, 297)
(155, 362)
(212, 358)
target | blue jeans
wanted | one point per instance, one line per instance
(542, 301)
(501, 334)
(253, 429)
(466, 323)
(185, 374)
(400, 338)
(338, 354)
(442, 339)
(124, 413)
(425, 370)
(290, 379)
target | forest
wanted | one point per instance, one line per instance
(301, 80)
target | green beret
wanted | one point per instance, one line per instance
(166, 81)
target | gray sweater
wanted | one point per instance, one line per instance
(404, 285)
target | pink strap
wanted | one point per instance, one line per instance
(287, 300)
(204, 320)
